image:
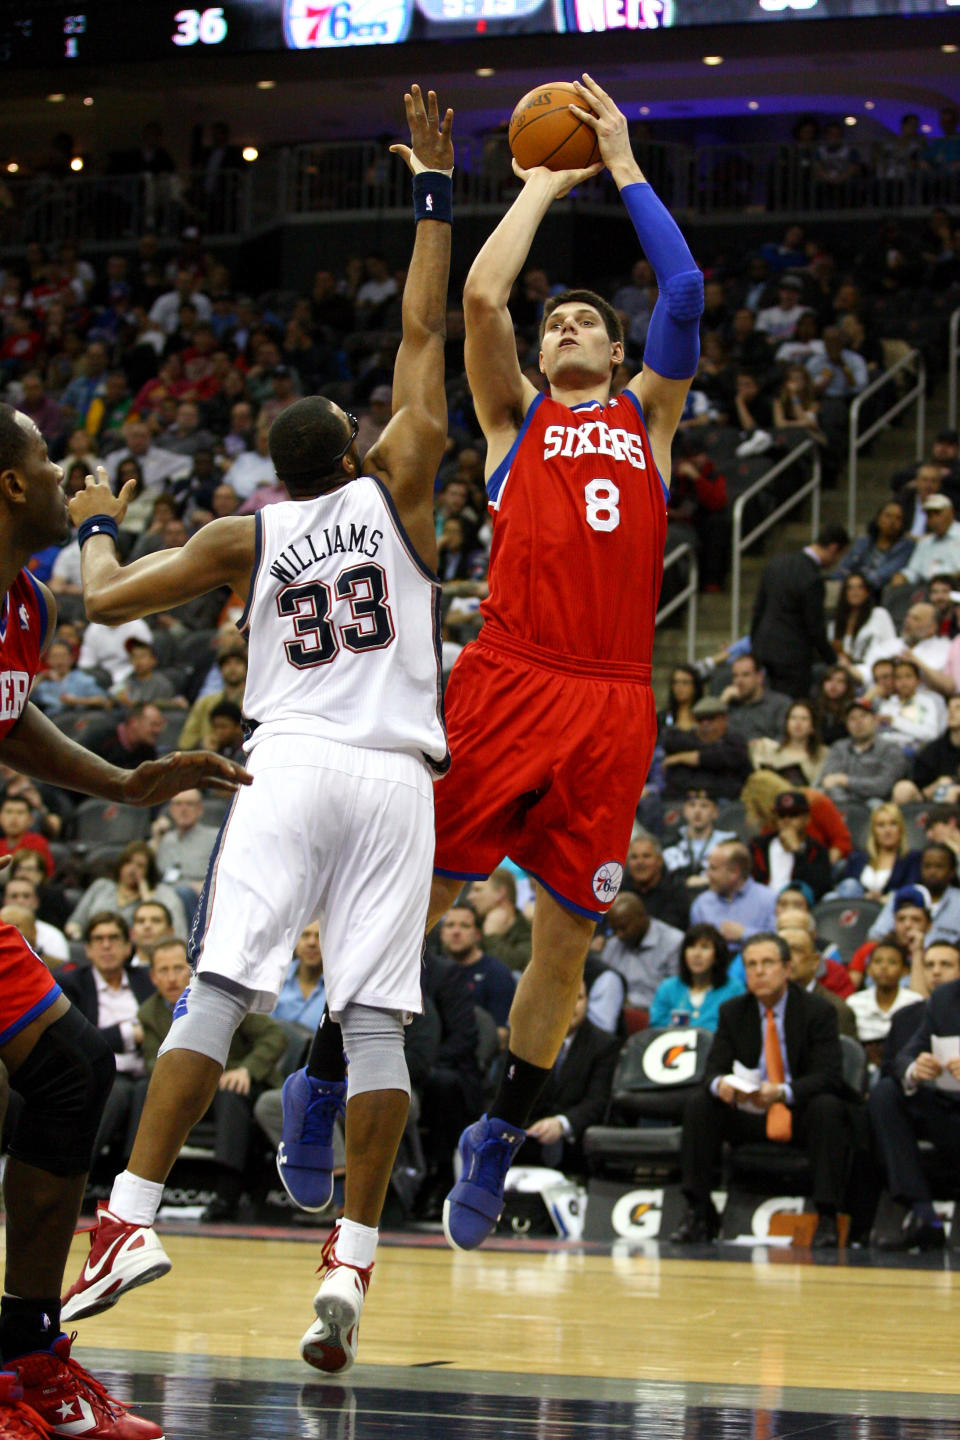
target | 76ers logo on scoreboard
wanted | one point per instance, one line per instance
(313, 24)
(607, 880)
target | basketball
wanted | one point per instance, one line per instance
(543, 132)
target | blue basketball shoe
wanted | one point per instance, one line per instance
(474, 1205)
(305, 1156)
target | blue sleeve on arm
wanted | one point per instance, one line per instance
(673, 337)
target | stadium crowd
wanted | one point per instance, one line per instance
(801, 820)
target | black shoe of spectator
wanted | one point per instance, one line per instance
(220, 1211)
(915, 1234)
(699, 1226)
(825, 1236)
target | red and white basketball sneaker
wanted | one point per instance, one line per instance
(331, 1342)
(17, 1420)
(121, 1257)
(71, 1402)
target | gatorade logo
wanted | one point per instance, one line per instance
(671, 1059)
(638, 1215)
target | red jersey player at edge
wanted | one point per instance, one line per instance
(551, 713)
(58, 1063)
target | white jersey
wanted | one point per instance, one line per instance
(343, 627)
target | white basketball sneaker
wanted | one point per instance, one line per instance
(121, 1257)
(331, 1342)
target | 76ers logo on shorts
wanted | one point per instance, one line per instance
(607, 880)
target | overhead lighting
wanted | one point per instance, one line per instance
(849, 119)
(56, 98)
(644, 109)
(869, 105)
(485, 71)
(753, 104)
(949, 49)
(76, 164)
(266, 84)
(88, 100)
(713, 59)
(250, 153)
(927, 129)
(12, 167)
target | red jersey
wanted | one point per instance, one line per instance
(580, 524)
(23, 631)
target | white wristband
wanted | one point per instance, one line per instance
(418, 167)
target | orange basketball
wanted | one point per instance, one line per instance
(544, 132)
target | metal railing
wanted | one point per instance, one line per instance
(740, 541)
(687, 596)
(953, 356)
(918, 391)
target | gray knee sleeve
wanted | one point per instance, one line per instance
(205, 1019)
(373, 1042)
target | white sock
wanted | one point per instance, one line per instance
(133, 1200)
(356, 1244)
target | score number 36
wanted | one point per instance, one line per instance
(208, 27)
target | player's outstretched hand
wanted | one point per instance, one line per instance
(561, 181)
(431, 145)
(97, 498)
(155, 781)
(605, 119)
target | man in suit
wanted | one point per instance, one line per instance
(790, 1037)
(575, 1095)
(108, 992)
(252, 1067)
(909, 1106)
(939, 964)
(788, 630)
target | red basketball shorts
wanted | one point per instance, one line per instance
(26, 986)
(547, 768)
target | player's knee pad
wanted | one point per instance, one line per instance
(373, 1042)
(683, 295)
(205, 1019)
(64, 1083)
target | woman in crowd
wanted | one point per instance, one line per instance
(135, 878)
(861, 626)
(799, 755)
(702, 984)
(883, 551)
(836, 690)
(140, 508)
(796, 407)
(686, 688)
(886, 864)
(827, 825)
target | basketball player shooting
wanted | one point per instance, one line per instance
(342, 695)
(550, 712)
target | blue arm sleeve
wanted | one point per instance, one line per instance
(673, 338)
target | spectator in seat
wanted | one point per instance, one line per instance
(54, 906)
(875, 1006)
(453, 1090)
(907, 1107)
(506, 933)
(861, 629)
(735, 903)
(912, 716)
(796, 407)
(886, 865)
(16, 817)
(664, 895)
(799, 754)
(698, 497)
(491, 983)
(135, 878)
(883, 551)
(934, 966)
(938, 884)
(227, 730)
(805, 964)
(197, 732)
(718, 762)
(686, 688)
(130, 742)
(779, 322)
(789, 629)
(791, 854)
(157, 465)
(687, 859)
(839, 373)
(61, 686)
(50, 943)
(883, 684)
(861, 767)
(146, 685)
(827, 825)
(151, 921)
(641, 949)
(109, 992)
(935, 769)
(106, 646)
(251, 1068)
(937, 552)
(791, 1038)
(303, 996)
(694, 995)
(575, 1096)
(754, 710)
(833, 694)
(183, 842)
(795, 912)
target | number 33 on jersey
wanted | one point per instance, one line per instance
(585, 509)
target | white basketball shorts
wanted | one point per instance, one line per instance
(326, 832)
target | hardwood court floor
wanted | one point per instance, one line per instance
(776, 1322)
